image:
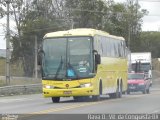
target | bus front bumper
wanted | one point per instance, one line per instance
(68, 92)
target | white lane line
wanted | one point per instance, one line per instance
(13, 100)
(155, 111)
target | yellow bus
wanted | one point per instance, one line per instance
(83, 63)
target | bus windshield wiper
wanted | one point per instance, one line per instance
(59, 68)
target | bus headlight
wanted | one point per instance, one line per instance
(48, 86)
(86, 85)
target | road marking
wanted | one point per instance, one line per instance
(8, 100)
(65, 108)
(60, 109)
(73, 106)
(88, 104)
(69, 107)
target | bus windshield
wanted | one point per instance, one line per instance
(67, 58)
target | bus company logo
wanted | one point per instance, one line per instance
(67, 85)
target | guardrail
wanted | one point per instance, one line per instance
(19, 78)
(20, 89)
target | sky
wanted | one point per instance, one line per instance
(151, 22)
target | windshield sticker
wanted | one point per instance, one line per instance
(82, 70)
(70, 73)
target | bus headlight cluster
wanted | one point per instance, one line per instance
(86, 85)
(48, 86)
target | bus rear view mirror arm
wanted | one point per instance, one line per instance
(97, 57)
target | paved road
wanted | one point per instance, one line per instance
(36, 104)
(133, 103)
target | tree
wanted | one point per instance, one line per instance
(150, 42)
(116, 18)
(37, 17)
(2, 11)
(86, 13)
(30, 22)
(125, 20)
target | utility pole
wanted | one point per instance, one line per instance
(129, 35)
(8, 46)
(72, 23)
(35, 62)
(130, 27)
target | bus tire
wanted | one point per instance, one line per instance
(55, 99)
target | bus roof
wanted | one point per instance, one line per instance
(80, 32)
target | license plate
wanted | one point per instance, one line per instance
(67, 92)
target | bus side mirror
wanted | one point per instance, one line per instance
(98, 59)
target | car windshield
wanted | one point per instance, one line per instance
(135, 76)
(143, 67)
(67, 58)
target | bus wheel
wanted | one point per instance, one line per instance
(55, 99)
